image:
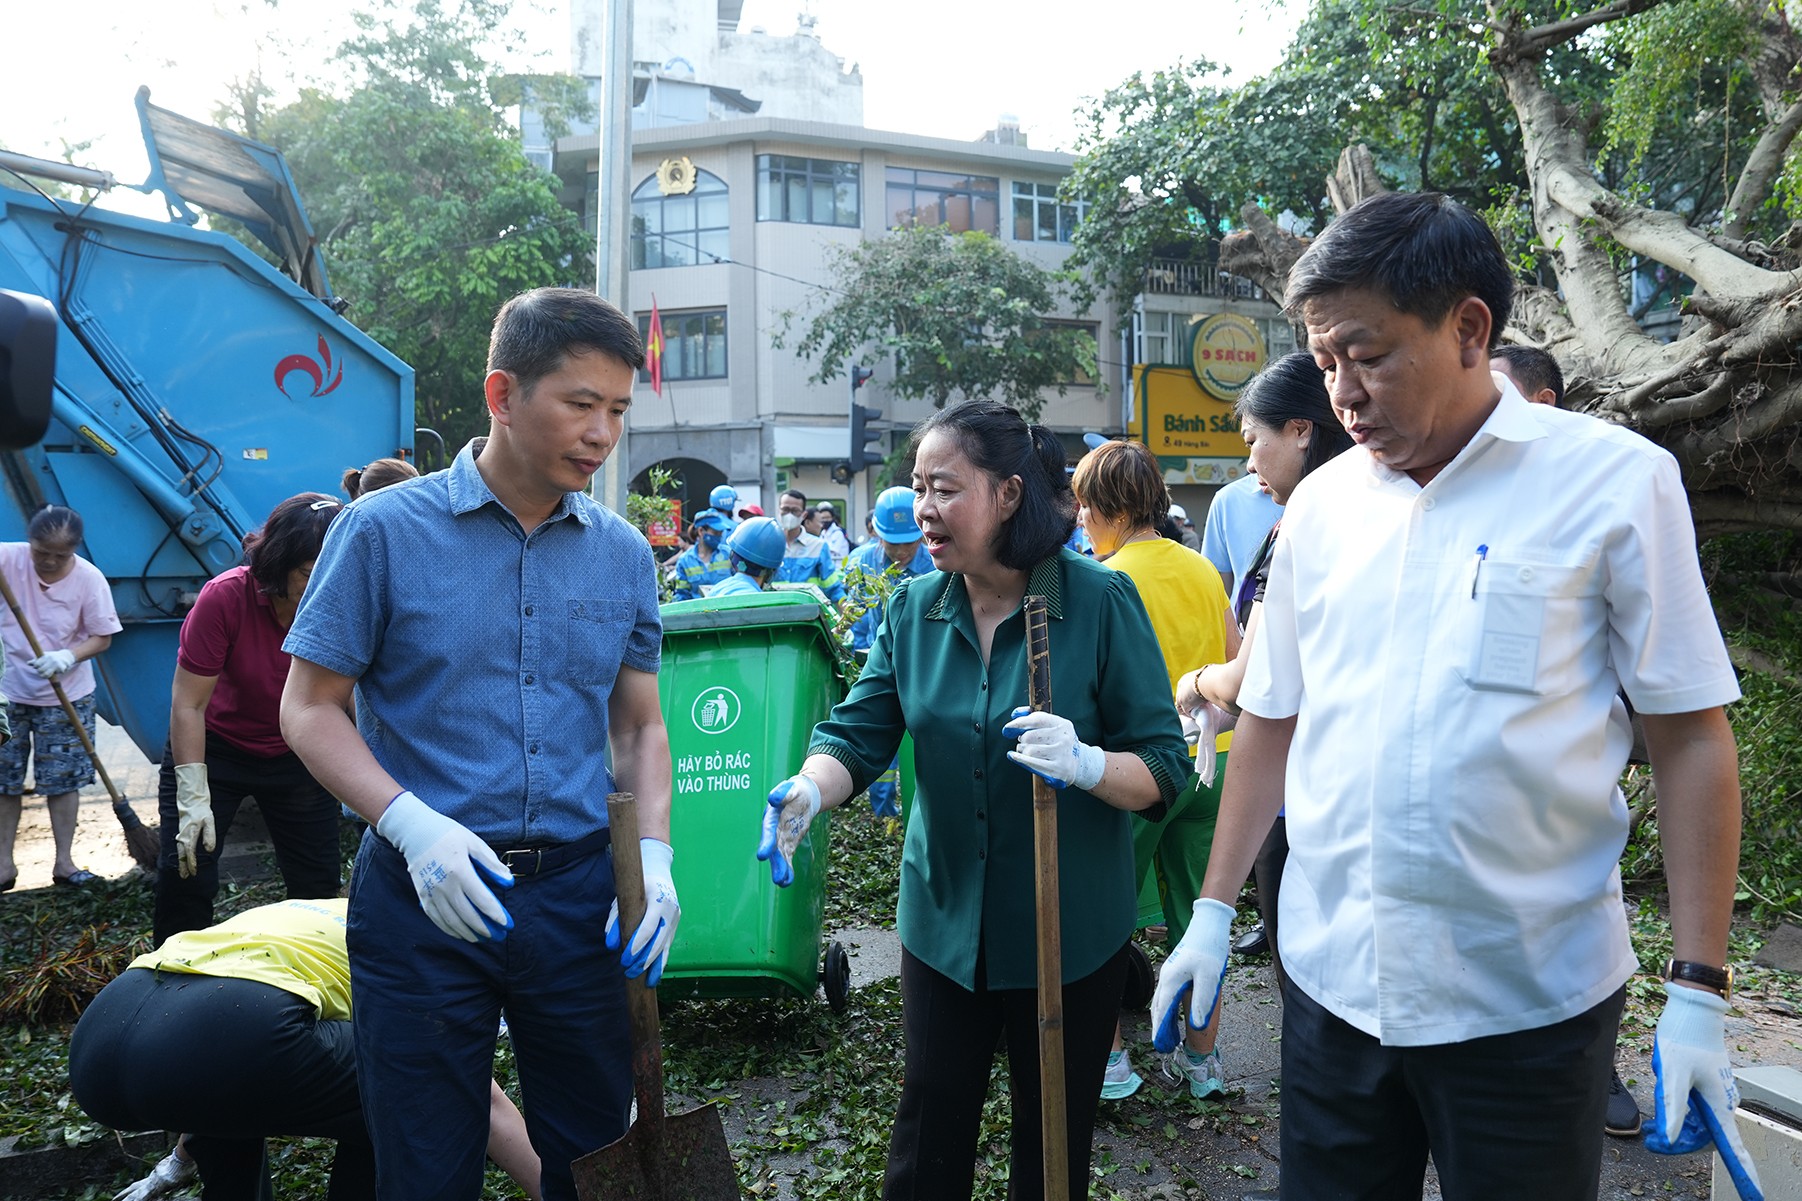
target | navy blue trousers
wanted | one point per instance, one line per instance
(1504, 1117)
(428, 1006)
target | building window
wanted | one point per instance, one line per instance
(694, 344)
(1038, 217)
(810, 191)
(957, 202)
(679, 230)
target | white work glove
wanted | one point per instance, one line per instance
(52, 664)
(794, 804)
(1050, 750)
(193, 816)
(651, 941)
(1201, 726)
(169, 1176)
(447, 864)
(1694, 1101)
(1194, 969)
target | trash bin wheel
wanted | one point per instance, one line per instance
(837, 977)
(1137, 993)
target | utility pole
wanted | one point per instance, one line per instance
(612, 230)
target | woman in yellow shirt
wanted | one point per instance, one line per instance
(1124, 501)
(240, 1031)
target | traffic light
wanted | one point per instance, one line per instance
(841, 472)
(866, 443)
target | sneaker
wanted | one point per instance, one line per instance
(1622, 1116)
(1119, 1081)
(1203, 1072)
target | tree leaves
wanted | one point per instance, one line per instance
(960, 314)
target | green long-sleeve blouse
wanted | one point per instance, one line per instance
(967, 869)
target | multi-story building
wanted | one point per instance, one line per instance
(751, 171)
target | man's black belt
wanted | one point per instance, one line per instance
(524, 860)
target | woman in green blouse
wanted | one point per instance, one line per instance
(949, 666)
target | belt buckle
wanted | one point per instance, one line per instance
(517, 867)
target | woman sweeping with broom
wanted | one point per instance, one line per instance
(949, 665)
(69, 607)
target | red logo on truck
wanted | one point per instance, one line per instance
(315, 369)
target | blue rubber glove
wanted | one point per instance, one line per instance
(1194, 970)
(1694, 1101)
(1049, 749)
(651, 941)
(448, 864)
(794, 804)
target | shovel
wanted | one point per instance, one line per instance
(140, 840)
(1053, 1126)
(674, 1157)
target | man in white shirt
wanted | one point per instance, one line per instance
(1452, 610)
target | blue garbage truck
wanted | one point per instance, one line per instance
(197, 381)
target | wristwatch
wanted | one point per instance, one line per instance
(1718, 978)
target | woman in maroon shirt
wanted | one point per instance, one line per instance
(225, 739)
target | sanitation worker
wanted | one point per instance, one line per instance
(499, 629)
(949, 666)
(1452, 610)
(896, 551)
(755, 552)
(702, 567)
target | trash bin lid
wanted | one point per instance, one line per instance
(745, 610)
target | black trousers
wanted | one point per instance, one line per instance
(230, 1062)
(1267, 870)
(1504, 1117)
(303, 825)
(951, 1034)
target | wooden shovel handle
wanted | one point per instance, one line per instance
(641, 998)
(81, 731)
(1052, 1119)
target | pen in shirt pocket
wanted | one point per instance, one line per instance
(1476, 568)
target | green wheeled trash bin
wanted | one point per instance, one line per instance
(744, 680)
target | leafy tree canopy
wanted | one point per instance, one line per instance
(960, 314)
(428, 213)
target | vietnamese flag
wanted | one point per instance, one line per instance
(653, 349)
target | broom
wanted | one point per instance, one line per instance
(142, 841)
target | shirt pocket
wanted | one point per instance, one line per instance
(1536, 627)
(595, 639)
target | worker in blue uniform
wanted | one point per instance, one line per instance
(898, 549)
(755, 552)
(704, 564)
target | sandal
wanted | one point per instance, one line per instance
(81, 877)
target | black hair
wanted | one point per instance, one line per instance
(378, 475)
(57, 524)
(536, 330)
(1294, 389)
(291, 538)
(1532, 369)
(1422, 250)
(999, 442)
(797, 494)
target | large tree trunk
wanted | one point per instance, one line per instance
(1726, 397)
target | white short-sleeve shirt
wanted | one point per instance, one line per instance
(1452, 655)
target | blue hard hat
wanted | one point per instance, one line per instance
(893, 516)
(708, 519)
(724, 498)
(758, 541)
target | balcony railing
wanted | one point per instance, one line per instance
(1181, 277)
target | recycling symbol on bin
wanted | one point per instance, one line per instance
(716, 710)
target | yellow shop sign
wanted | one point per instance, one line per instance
(1226, 352)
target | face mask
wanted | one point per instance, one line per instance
(789, 521)
(710, 541)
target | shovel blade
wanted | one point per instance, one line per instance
(686, 1160)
